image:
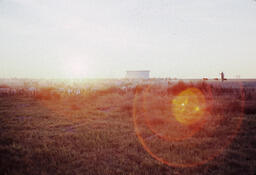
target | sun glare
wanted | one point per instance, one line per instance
(76, 68)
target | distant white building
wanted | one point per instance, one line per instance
(141, 74)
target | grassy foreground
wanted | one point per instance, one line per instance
(95, 135)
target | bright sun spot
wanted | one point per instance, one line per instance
(76, 68)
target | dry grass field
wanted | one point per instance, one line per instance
(95, 134)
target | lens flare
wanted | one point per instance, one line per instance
(188, 106)
(184, 130)
(175, 118)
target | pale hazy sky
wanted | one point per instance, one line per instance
(104, 38)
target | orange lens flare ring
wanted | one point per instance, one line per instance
(184, 112)
(187, 117)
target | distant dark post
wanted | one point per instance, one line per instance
(222, 76)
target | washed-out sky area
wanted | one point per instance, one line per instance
(104, 38)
